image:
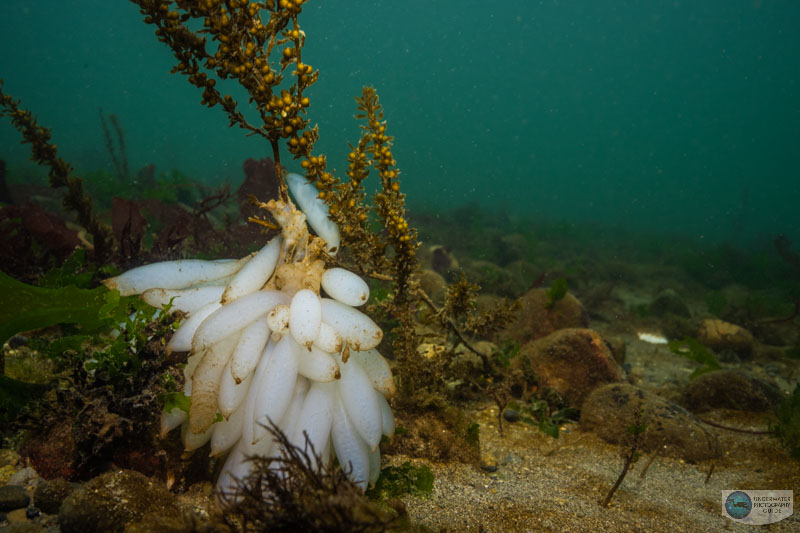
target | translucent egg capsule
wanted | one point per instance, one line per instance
(345, 287)
(356, 329)
(305, 317)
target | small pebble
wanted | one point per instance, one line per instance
(32, 512)
(17, 340)
(489, 465)
(23, 476)
(13, 497)
(8, 458)
(512, 415)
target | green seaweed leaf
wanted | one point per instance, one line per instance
(72, 272)
(556, 292)
(15, 395)
(549, 422)
(691, 348)
(787, 427)
(25, 307)
(396, 481)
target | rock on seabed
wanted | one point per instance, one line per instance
(610, 410)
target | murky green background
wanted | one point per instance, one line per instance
(660, 116)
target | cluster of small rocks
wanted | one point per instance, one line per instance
(120, 500)
(588, 370)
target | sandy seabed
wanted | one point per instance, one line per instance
(546, 484)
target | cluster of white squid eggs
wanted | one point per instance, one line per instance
(266, 347)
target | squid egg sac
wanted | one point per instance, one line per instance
(262, 356)
(305, 317)
(345, 287)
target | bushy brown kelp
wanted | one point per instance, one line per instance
(297, 491)
(235, 43)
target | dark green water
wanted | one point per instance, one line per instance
(667, 117)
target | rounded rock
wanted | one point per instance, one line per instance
(534, 320)
(721, 336)
(611, 409)
(50, 494)
(114, 500)
(730, 389)
(572, 361)
(13, 497)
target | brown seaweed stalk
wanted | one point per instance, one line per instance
(44, 152)
(235, 42)
(119, 156)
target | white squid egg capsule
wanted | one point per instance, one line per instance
(171, 420)
(357, 329)
(186, 300)
(328, 339)
(316, 211)
(345, 287)
(278, 319)
(305, 317)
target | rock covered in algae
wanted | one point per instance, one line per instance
(13, 497)
(730, 389)
(720, 336)
(611, 409)
(50, 494)
(535, 319)
(572, 361)
(113, 501)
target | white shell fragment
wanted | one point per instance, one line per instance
(357, 329)
(186, 300)
(255, 273)
(345, 287)
(305, 317)
(316, 211)
(173, 275)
